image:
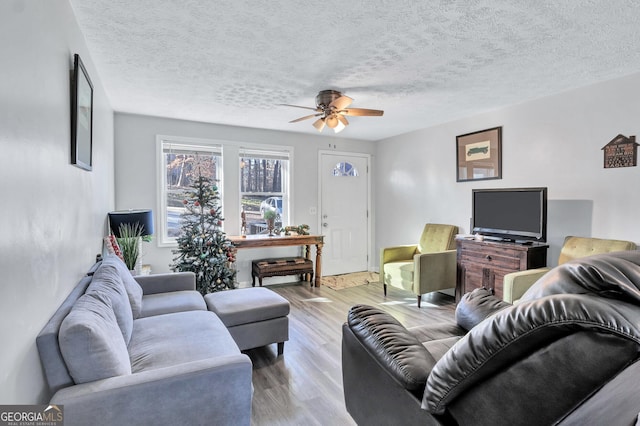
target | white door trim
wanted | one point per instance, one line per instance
(369, 212)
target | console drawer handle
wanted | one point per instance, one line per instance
(488, 257)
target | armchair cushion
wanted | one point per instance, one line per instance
(437, 237)
(399, 274)
(392, 345)
(576, 247)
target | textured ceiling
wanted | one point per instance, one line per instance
(422, 62)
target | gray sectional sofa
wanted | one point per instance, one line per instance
(143, 350)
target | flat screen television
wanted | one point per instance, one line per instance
(510, 214)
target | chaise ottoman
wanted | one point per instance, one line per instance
(254, 316)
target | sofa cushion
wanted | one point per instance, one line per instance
(91, 341)
(107, 280)
(437, 338)
(133, 288)
(170, 302)
(171, 339)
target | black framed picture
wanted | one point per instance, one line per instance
(81, 116)
(479, 155)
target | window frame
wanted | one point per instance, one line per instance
(186, 144)
(270, 152)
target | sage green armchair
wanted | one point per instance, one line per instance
(517, 283)
(425, 267)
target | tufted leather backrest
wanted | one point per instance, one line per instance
(576, 247)
(585, 310)
(437, 237)
(610, 275)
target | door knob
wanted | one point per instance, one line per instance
(325, 224)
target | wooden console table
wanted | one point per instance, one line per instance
(258, 241)
(485, 263)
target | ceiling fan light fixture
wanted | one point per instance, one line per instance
(339, 127)
(332, 121)
(332, 107)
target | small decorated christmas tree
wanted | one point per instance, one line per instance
(203, 247)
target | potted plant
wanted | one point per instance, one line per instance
(270, 217)
(130, 244)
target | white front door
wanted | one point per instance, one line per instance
(344, 221)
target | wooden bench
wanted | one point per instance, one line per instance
(281, 266)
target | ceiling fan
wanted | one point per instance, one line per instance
(332, 107)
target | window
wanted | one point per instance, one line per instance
(180, 162)
(264, 177)
(262, 183)
(345, 169)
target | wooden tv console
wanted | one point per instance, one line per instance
(485, 263)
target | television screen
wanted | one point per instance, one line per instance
(511, 214)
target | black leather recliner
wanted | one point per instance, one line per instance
(568, 353)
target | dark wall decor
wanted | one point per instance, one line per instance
(622, 151)
(479, 155)
(81, 116)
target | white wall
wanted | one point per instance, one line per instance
(52, 218)
(554, 142)
(136, 168)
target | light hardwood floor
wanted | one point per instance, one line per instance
(304, 386)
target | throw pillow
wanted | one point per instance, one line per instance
(91, 342)
(130, 284)
(111, 243)
(108, 280)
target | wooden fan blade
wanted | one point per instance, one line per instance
(306, 117)
(298, 106)
(319, 124)
(361, 112)
(343, 119)
(341, 103)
